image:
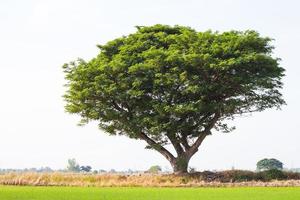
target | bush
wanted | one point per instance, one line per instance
(208, 176)
(273, 174)
(154, 169)
(244, 176)
(240, 176)
(292, 175)
(237, 176)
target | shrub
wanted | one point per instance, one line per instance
(237, 176)
(154, 169)
(273, 174)
(292, 175)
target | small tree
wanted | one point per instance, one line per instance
(73, 166)
(267, 164)
(154, 169)
(102, 171)
(173, 86)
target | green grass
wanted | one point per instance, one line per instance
(92, 193)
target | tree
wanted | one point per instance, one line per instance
(86, 168)
(154, 169)
(267, 164)
(174, 85)
(73, 166)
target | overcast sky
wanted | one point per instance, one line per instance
(38, 37)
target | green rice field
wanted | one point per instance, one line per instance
(138, 193)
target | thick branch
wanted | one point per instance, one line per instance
(176, 144)
(184, 142)
(203, 134)
(150, 141)
(194, 148)
(157, 146)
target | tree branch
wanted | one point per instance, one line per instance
(184, 142)
(203, 134)
(156, 146)
(176, 145)
(150, 141)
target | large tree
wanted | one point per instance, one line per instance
(173, 85)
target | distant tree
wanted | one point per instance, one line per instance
(267, 164)
(85, 168)
(173, 85)
(154, 169)
(45, 169)
(33, 169)
(130, 171)
(73, 166)
(112, 171)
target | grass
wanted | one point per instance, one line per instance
(139, 193)
(138, 180)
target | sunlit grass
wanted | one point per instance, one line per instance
(138, 193)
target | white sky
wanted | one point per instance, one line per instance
(38, 37)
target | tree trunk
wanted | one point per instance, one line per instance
(180, 165)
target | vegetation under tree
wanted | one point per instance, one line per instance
(174, 85)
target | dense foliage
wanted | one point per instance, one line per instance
(267, 164)
(172, 85)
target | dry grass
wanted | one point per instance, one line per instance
(112, 180)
